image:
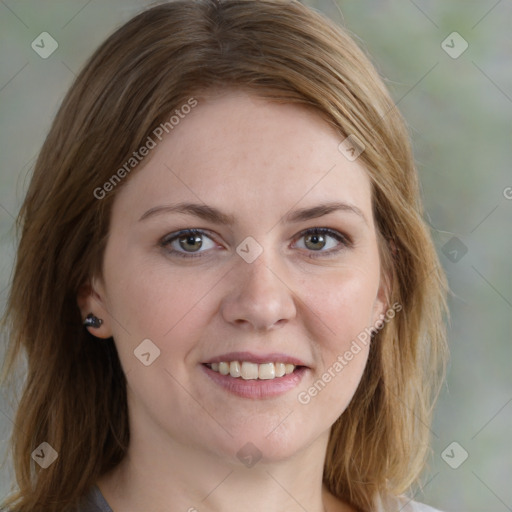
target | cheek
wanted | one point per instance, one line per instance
(153, 300)
(342, 307)
(343, 304)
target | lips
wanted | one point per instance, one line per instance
(251, 375)
(256, 388)
(249, 366)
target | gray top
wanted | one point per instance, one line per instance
(94, 502)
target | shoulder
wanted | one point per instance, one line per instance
(421, 507)
(401, 504)
(94, 501)
(409, 505)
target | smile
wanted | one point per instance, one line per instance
(255, 380)
(252, 371)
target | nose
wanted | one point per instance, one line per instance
(259, 298)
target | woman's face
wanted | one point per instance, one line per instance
(254, 284)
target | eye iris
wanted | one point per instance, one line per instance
(191, 239)
(315, 239)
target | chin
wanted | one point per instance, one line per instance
(264, 446)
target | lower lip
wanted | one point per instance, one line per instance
(256, 388)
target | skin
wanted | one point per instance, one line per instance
(257, 161)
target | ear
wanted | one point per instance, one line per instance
(91, 299)
(382, 300)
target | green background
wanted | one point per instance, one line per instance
(459, 112)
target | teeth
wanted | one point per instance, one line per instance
(253, 371)
(266, 371)
(234, 369)
(249, 370)
(280, 369)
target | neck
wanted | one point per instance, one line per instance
(183, 478)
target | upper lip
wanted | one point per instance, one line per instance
(274, 357)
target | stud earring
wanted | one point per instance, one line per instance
(92, 321)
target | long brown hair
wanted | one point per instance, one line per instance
(74, 397)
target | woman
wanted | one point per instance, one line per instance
(225, 288)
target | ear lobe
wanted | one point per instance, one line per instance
(90, 301)
(387, 262)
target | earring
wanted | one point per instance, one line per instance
(92, 321)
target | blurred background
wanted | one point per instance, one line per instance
(449, 68)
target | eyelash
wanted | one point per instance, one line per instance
(343, 239)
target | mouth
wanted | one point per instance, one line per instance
(247, 370)
(255, 376)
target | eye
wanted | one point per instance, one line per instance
(187, 243)
(318, 239)
(190, 243)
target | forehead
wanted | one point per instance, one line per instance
(245, 151)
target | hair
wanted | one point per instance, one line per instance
(74, 395)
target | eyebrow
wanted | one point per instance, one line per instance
(321, 210)
(214, 215)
